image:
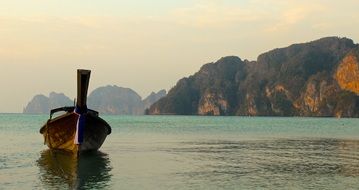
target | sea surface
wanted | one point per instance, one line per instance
(188, 152)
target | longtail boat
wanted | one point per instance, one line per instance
(79, 128)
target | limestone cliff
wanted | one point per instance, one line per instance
(319, 97)
(347, 73)
(318, 78)
(208, 92)
(280, 100)
(213, 104)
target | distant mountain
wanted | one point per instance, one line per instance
(42, 104)
(106, 100)
(319, 78)
(115, 100)
(153, 97)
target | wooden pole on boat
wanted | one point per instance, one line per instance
(83, 79)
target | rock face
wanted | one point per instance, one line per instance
(213, 104)
(41, 104)
(347, 73)
(106, 100)
(319, 96)
(211, 91)
(319, 78)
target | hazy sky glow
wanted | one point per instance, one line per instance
(147, 45)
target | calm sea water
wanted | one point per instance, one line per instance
(188, 152)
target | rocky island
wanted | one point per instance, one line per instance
(319, 78)
(110, 99)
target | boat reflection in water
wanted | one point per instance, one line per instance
(65, 170)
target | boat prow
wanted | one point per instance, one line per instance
(60, 132)
(79, 129)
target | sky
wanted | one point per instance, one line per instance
(147, 45)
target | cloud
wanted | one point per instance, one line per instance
(221, 21)
(290, 15)
(269, 15)
(215, 14)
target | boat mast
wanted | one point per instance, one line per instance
(83, 79)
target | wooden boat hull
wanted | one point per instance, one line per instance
(60, 132)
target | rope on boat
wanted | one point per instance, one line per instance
(79, 136)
